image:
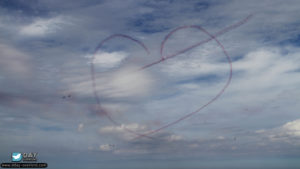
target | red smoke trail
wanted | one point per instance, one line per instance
(99, 108)
(215, 97)
(223, 31)
(163, 58)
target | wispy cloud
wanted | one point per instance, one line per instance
(42, 27)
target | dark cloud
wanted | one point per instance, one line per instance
(31, 8)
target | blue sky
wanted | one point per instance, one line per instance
(47, 104)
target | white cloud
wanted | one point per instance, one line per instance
(130, 83)
(198, 61)
(123, 130)
(265, 59)
(125, 82)
(266, 68)
(80, 127)
(108, 60)
(288, 132)
(106, 147)
(193, 67)
(174, 137)
(292, 128)
(42, 27)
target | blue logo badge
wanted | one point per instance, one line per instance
(16, 157)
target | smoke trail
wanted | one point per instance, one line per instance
(173, 55)
(99, 107)
(164, 58)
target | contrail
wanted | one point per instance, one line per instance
(164, 58)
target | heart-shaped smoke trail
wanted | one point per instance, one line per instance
(164, 58)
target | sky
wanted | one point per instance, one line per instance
(121, 116)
